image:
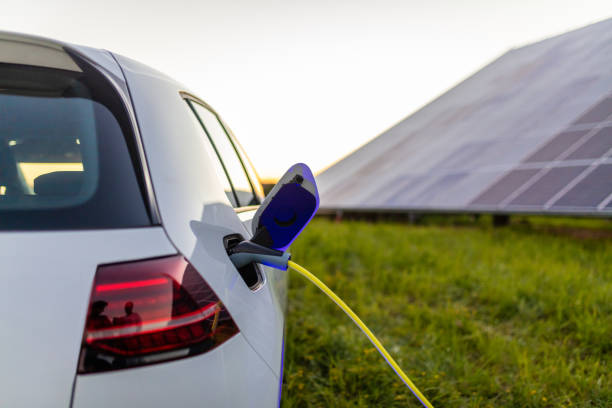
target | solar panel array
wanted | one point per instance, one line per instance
(531, 132)
(570, 173)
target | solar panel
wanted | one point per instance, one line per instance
(596, 146)
(530, 132)
(435, 192)
(547, 186)
(591, 191)
(504, 187)
(598, 113)
(556, 184)
(553, 149)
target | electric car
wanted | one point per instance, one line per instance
(121, 193)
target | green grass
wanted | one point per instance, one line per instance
(477, 316)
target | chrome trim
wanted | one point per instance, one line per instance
(261, 282)
(190, 96)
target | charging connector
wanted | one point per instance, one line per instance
(247, 252)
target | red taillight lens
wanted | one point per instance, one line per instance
(150, 311)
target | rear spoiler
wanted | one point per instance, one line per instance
(30, 50)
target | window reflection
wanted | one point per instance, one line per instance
(131, 318)
(98, 319)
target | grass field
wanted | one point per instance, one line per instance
(519, 316)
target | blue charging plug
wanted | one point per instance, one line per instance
(284, 213)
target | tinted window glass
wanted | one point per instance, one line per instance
(247, 164)
(229, 156)
(219, 170)
(64, 161)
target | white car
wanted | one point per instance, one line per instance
(120, 194)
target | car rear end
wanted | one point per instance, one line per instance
(99, 305)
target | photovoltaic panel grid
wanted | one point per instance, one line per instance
(529, 133)
(571, 172)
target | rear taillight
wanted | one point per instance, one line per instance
(150, 311)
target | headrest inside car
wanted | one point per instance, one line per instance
(59, 183)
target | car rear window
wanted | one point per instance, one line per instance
(67, 153)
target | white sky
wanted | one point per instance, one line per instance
(313, 80)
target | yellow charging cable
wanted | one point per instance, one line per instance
(365, 330)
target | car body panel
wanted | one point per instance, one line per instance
(195, 211)
(46, 283)
(231, 375)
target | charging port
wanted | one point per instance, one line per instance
(250, 273)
